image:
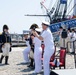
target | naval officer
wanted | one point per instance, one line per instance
(47, 37)
(37, 52)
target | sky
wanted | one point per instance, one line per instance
(12, 13)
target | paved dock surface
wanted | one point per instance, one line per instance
(18, 67)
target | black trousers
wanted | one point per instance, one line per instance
(32, 60)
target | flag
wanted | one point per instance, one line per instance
(63, 1)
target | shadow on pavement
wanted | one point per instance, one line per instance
(23, 63)
(27, 74)
(41, 73)
(53, 73)
(2, 64)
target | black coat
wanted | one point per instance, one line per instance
(0, 44)
(5, 38)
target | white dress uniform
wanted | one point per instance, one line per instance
(60, 39)
(68, 40)
(26, 51)
(73, 38)
(48, 50)
(37, 54)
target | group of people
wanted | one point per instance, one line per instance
(34, 43)
(34, 39)
(34, 49)
(66, 38)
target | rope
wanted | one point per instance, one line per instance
(72, 8)
(69, 4)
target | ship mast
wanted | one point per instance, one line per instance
(74, 11)
(55, 12)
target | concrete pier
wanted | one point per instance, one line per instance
(18, 67)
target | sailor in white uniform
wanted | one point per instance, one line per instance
(69, 39)
(73, 38)
(47, 37)
(37, 53)
(60, 38)
(27, 50)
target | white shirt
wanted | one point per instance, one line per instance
(73, 35)
(69, 35)
(48, 38)
(27, 43)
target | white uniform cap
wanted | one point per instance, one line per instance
(38, 29)
(26, 33)
(46, 23)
